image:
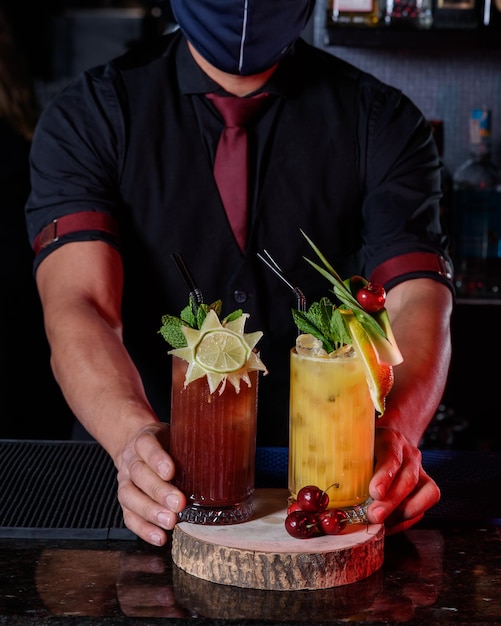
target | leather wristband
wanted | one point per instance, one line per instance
(72, 223)
(411, 263)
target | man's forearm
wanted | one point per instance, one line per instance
(99, 381)
(420, 312)
(80, 286)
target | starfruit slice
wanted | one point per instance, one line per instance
(220, 352)
(379, 375)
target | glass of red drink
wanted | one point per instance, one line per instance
(213, 445)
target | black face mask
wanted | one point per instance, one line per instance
(242, 36)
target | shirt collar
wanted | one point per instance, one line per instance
(193, 80)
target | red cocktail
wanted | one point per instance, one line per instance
(213, 444)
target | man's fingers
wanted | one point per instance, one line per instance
(151, 445)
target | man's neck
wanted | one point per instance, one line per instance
(232, 83)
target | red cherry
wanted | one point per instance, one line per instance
(372, 297)
(332, 521)
(293, 506)
(302, 524)
(312, 498)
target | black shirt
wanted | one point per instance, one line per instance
(349, 160)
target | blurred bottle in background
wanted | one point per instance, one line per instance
(408, 14)
(454, 14)
(356, 13)
(491, 14)
(477, 214)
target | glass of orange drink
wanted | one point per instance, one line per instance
(332, 426)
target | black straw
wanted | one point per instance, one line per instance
(195, 292)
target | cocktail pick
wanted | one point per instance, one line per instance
(270, 262)
(195, 293)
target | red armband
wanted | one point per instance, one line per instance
(409, 263)
(72, 223)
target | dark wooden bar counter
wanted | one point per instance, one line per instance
(446, 576)
(446, 570)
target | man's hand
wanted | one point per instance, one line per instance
(401, 489)
(80, 286)
(419, 311)
(149, 502)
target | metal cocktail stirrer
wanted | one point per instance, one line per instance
(195, 293)
(270, 262)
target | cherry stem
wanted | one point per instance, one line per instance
(336, 485)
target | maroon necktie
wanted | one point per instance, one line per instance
(231, 162)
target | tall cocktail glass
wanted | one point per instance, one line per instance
(332, 427)
(213, 445)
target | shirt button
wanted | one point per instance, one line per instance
(240, 296)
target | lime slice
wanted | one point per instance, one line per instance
(222, 351)
(379, 375)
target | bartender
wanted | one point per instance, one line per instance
(122, 178)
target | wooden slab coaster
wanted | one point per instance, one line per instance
(260, 554)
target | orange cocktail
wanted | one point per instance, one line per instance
(332, 427)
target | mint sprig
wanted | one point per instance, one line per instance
(324, 321)
(193, 316)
